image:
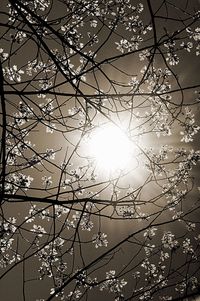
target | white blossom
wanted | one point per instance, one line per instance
(100, 240)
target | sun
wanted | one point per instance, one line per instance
(110, 147)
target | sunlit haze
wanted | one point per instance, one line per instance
(111, 148)
(99, 150)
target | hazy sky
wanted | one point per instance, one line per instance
(74, 118)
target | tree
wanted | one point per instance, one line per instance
(99, 149)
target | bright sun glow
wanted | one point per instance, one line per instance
(110, 147)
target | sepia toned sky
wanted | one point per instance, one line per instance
(69, 143)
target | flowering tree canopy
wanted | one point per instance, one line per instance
(99, 184)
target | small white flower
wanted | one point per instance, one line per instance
(93, 23)
(100, 240)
